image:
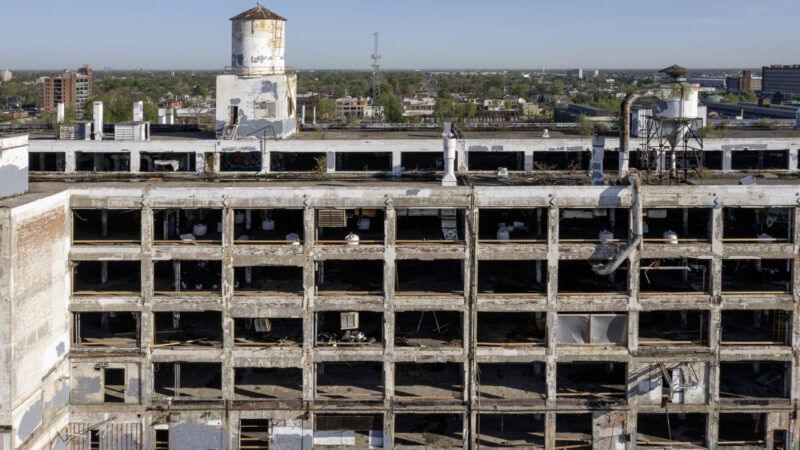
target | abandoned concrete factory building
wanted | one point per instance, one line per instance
(402, 290)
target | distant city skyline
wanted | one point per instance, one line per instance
(443, 34)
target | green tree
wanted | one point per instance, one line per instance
(392, 108)
(326, 110)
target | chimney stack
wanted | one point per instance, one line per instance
(138, 111)
(450, 142)
(60, 113)
(98, 120)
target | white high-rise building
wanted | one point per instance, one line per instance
(257, 98)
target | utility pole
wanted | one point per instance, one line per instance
(376, 81)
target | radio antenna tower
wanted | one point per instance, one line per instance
(376, 79)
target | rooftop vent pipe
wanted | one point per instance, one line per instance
(636, 238)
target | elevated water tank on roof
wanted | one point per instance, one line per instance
(258, 42)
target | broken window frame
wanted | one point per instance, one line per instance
(347, 340)
(728, 231)
(278, 275)
(78, 340)
(270, 323)
(540, 226)
(784, 329)
(703, 331)
(100, 240)
(176, 382)
(111, 390)
(106, 293)
(177, 280)
(268, 221)
(684, 235)
(364, 366)
(166, 230)
(374, 217)
(439, 264)
(532, 341)
(320, 280)
(456, 229)
(403, 341)
(429, 379)
(685, 265)
(594, 335)
(213, 338)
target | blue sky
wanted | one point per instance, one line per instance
(415, 34)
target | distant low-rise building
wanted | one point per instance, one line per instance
(781, 79)
(73, 89)
(575, 74)
(573, 112)
(354, 107)
(419, 107)
(6, 75)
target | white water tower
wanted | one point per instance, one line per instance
(258, 41)
(256, 98)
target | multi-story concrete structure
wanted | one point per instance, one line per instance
(343, 293)
(781, 79)
(73, 89)
(354, 107)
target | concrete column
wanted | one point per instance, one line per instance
(727, 156)
(331, 161)
(146, 321)
(552, 304)
(70, 165)
(397, 163)
(714, 325)
(266, 156)
(136, 160)
(309, 295)
(200, 162)
(529, 161)
(228, 235)
(793, 160)
(389, 276)
(550, 430)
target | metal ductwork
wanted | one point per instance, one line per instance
(638, 227)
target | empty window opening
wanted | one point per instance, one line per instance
(175, 329)
(512, 383)
(611, 161)
(513, 225)
(595, 382)
(189, 381)
(350, 226)
(298, 162)
(188, 226)
(757, 275)
(107, 329)
(350, 277)
(102, 162)
(267, 383)
(676, 225)
(512, 277)
(270, 332)
(573, 161)
(113, 385)
(492, 161)
(743, 429)
(594, 225)
(574, 431)
(167, 162)
(423, 161)
(426, 329)
(758, 225)
(360, 381)
(107, 278)
(430, 225)
(671, 430)
(162, 439)
(47, 162)
(349, 329)
(348, 431)
(240, 162)
(268, 226)
(187, 277)
(658, 328)
(94, 440)
(106, 226)
(754, 379)
(760, 160)
(429, 381)
(268, 280)
(511, 431)
(511, 329)
(712, 160)
(254, 434)
(364, 162)
(444, 276)
(577, 277)
(756, 327)
(429, 430)
(674, 275)
(593, 329)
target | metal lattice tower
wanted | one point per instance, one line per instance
(376, 76)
